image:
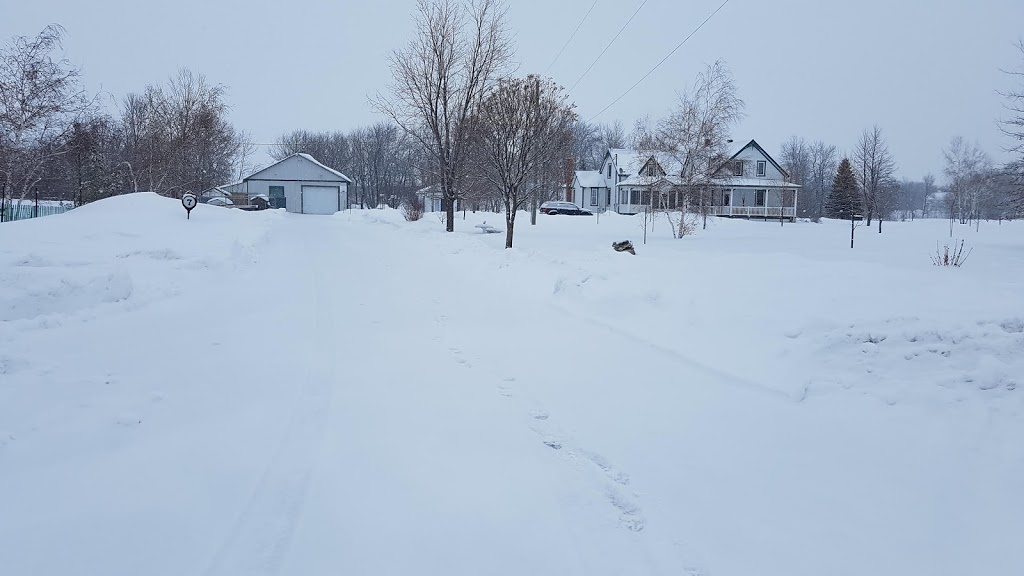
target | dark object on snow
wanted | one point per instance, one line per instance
(624, 246)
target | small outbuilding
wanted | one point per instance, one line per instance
(301, 184)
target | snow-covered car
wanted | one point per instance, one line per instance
(569, 208)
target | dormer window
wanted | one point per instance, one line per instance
(762, 166)
(737, 168)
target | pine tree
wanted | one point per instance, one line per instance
(845, 200)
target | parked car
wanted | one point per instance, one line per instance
(552, 208)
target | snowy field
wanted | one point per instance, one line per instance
(270, 393)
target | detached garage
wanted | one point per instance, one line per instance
(300, 184)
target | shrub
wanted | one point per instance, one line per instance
(412, 210)
(950, 255)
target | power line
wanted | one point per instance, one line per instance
(594, 63)
(658, 65)
(573, 35)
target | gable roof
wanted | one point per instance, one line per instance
(628, 161)
(590, 179)
(762, 151)
(329, 169)
(307, 158)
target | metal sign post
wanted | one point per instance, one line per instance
(189, 201)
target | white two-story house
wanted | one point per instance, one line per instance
(750, 184)
(753, 184)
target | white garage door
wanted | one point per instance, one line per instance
(320, 199)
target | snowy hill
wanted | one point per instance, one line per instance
(271, 393)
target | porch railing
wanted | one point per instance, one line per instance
(758, 211)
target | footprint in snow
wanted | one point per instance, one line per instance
(457, 354)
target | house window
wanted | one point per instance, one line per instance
(608, 197)
(759, 197)
(725, 199)
(609, 171)
(737, 168)
(623, 197)
(634, 196)
(593, 196)
(761, 167)
(645, 199)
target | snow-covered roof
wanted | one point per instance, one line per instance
(590, 179)
(215, 192)
(738, 182)
(220, 201)
(429, 191)
(303, 156)
(628, 161)
(262, 197)
(317, 162)
(650, 180)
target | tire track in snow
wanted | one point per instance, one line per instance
(260, 536)
(680, 358)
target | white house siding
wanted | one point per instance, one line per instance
(292, 174)
(750, 156)
(292, 191)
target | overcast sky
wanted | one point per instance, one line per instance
(923, 70)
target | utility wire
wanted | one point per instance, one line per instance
(573, 35)
(594, 63)
(658, 65)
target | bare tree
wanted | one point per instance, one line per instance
(968, 174)
(90, 165)
(875, 168)
(333, 149)
(928, 191)
(246, 149)
(795, 155)
(40, 101)
(696, 133)
(177, 136)
(519, 127)
(612, 136)
(587, 145)
(643, 136)
(440, 77)
(1013, 125)
(824, 162)
(1012, 180)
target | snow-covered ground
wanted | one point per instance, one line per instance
(269, 393)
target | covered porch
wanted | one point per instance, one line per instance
(768, 202)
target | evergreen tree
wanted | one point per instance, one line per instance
(844, 200)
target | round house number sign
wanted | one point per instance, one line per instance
(189, 201)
